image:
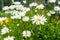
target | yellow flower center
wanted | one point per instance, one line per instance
(27, 33)
(38, 20)
(7, 20)
(24, 10)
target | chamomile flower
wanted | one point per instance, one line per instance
(12, 7)
(56, 8)
(41, 6)
(8, 12)
(25, 18)
(2, 18)
(52, 1)
(17, 25)
(4, 30)
(26, 33)
(33, 4)
(16, 3)
(24, 1)
(59, 2)
(25, 9)
(9, 38)
(14, 12)
(50, 12)
(5, 8)
(19, 7)
(16, 16)
(22, 14)
(38, 19)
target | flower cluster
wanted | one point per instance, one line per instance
(32, 14)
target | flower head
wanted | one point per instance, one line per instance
(25, 18)
(56, 8)
(33, 4)
(26, 33)
(52, 1)
(4, 30)
(9, 38)
(24, 1)
(16, 3)
(38, 19)
(41, 6)
(5, 8)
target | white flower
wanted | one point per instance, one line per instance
(16, 3)
(48, 14)
(4, 30)
(35, 10)
(38, 19)
(2, 18)
(24, 1)
(16, 17)
(52, 12)
(5, 8)
(8, 12)
(59, 2)
(15, 12)
(12, 7)
(18, 24)
(9, 38)
(52, 1)
(41, 6)
(19, 7)
(26, 33)
(25, 9)
(25, 18)
(33, 4)
(22, 14)
(56, 8)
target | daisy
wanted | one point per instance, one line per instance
(4, 30)
(26, 33)
(52, 1)
(16, 16)
(50, 12)
(25, 9)
(41, 6)
(17, 25)
(56, 8)
(2, 18)
(14, 12)
(22, 14)
(12, 7)
(8, 12)
(19, 7)
(5, 8)
(9, 38)
(16, 3)
(38, 19)
(24, 1)
(33, 4)
(59, 2)
(25, 18)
